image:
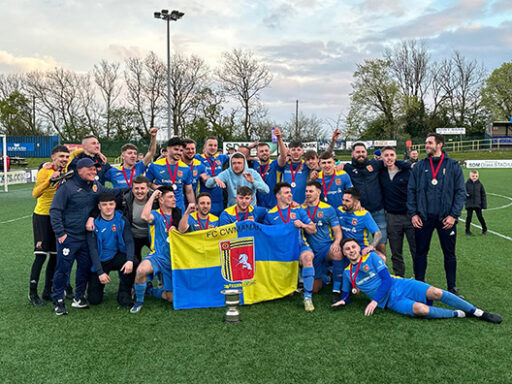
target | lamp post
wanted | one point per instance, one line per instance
(173, 16)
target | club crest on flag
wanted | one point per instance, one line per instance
(237, 259)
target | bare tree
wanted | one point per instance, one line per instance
(189, 76)
(243, 77)
(145, 81)
(106, 77)
(309, 127)
(409, 62)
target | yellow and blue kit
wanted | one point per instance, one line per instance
(213, 166)
(297, 173)
(269, 173)
(120, 179)
(231, 215)
(197, 224)
(357, 225)
(333, 186)
(158, 173)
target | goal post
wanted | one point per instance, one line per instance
(4, 161)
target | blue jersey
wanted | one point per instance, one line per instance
(269, 173)
(357, 225)
(334, 186)
(159, 235)
(325, 219)
(158, 173)
(231, 215)
(367, 278)
(120, 179)
(197, 224)
(213, 166)
(300, 175)
(197, 169)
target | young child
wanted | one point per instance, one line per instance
(475, 201)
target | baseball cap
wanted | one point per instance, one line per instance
(85, 162)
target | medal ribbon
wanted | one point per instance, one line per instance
(199, 222)
(212, 164)
(246, 214)
(264, 171)
(173, 177)
(434, 173)
(314, 212)
(353, 280)
(296, 170)
(326, 191)
(168, 225)
(281, 214)
(132, 172)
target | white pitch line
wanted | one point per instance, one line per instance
(503, 206)
(488, 230)
(19, 218)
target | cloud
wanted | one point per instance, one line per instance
(14, 63)
(390, 7)
(502, 6)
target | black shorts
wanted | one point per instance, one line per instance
(43, 233)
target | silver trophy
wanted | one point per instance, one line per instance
(232, 314)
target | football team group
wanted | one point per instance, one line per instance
(346, 212)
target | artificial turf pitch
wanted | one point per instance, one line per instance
(277, 342)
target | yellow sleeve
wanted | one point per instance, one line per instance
(42, 182)
(72, 155)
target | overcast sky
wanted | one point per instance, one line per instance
(312, 47)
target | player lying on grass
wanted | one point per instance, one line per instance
(370, 275)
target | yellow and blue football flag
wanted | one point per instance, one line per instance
(260, 260)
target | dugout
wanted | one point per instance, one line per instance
(30, 146)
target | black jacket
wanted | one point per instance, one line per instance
(125, 204)
(475, 195)
(394, 192)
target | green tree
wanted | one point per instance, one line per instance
(497, 93)
(16, 117)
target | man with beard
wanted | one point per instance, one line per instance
(122, 175)
(173, 172)
(285, 213)
(364, 174)
(213, 163)
(242, 210)
(358, 223)
(196, 167)
(436, 195)
(268, 171)
(325, 243)
(236, 175)
(198, 218)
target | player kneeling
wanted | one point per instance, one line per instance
(370, 275)
(111, 249)
(158, 260)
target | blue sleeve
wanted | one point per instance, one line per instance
(371, 225)
(385, 285)
(149, 173)
(347, 183)
(93, 252)
(460, 192)
(403, 164)
(259, 214)
(259, 184)
(412, 206)
(345, 296)
(140, 168)
(266, 219)
(346, 286)
(128, 240)
(108, 175)
(188, 179)
(333, 217)
(57, 211)
(304, 216)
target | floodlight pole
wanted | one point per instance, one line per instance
(173, 16)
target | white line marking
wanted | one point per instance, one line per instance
(503, 206)
(19, 218)
(488, 230)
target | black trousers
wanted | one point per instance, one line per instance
(447, 238)
(95, 288)
(139, 244)
(478, 212)
(398, 226)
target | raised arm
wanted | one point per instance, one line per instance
(148, 158)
